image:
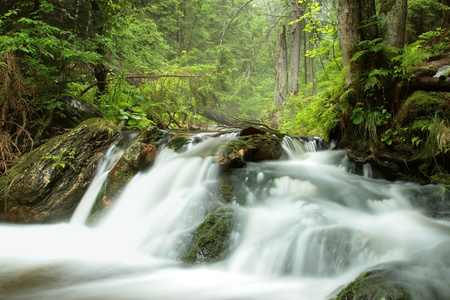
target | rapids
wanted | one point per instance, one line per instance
(305, 227)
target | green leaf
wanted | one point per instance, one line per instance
(358, 54)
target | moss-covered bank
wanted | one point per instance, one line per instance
(415, 145)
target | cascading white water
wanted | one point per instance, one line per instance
(112, 155)
(305, 227)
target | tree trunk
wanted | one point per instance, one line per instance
(354, 27)
(305, 59)
(311, 64)
(281, 84)
(348, 18)
(393, 18)
(446, 13)
(295, 48)
(100, 70)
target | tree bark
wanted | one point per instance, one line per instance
(281, 84)
(305, 59)
(311, 64)
(354, 25)
(446, 13)
(393, 18)
(348, 18)
(100, 70)
(295, 48)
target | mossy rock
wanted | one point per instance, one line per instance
(255, 147)
(373, 285)
(210, 241)
(421, 104)
(153, 136)
(48, 182)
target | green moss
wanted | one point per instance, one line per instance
(210, 240)
(440, 177)
(33, 176)
(255, 147)
(116, 181)
(373, 285)
(226, 192)
(419, 105)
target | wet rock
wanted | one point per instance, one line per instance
(253, 148)
(47, 183)
(210, 241)
(138, 156)
(373, 285)
(180, 141)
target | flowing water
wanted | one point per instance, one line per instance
(305, 227)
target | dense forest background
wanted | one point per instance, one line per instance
(334, 68)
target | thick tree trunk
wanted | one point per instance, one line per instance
(393, 18)
(281, 84)
(354, 25)
(348, 18)
(295, 47)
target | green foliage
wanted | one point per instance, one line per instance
(369, 120)
(318, 114)
(433, 133)
(411, 56)
(389, 136)
(62, 160)
(142, 47)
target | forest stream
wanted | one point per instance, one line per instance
(304, 227)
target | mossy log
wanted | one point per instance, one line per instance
(437, 84)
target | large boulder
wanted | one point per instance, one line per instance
(250, 148)
(73, 111)
(47, 183)
(372, 285)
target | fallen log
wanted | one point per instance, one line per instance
(437, 84)
(228, 120)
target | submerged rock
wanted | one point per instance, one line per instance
(210, 241)
(424, 277)
(373, 285)
(47, 183)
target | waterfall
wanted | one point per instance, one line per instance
(304, 227)
(111, 157)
